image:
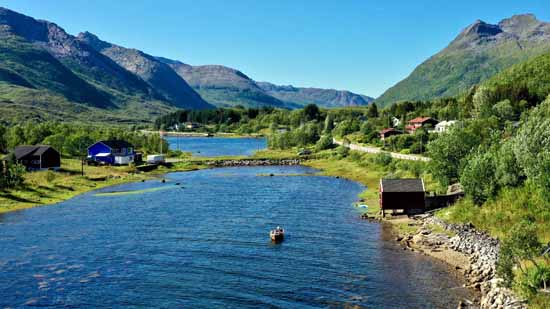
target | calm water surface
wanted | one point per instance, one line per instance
(204, 244)
(217, 146)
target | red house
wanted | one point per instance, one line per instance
(389, 132)
(419, 122)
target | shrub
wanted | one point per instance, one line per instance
(50, 176)
(342, 151)
(521, 244)
(382, 158)
(534, 279)
(325, 142)
(11, 175)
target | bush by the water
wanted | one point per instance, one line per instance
(325, 142)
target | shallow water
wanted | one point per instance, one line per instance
(217, 146)
(206, 245)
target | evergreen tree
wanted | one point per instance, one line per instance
(372, 111)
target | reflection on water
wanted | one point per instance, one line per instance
(217, 146)
(207, 245)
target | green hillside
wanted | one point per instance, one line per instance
(478, 53)
(529, 81)
(23, 64)
(48, 74)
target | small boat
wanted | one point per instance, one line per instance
(277, 234)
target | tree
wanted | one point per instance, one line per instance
(504, 110)
(372, 111)
(507, 169)
(478, 177)
(311, 112)
(76, 145)
(325, 142)
(329, 124)
(3, 140)
(448, 153)
(15, 136)
(531, 146)
(346, 127)
(483, 102)
(11, 173)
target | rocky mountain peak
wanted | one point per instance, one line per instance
(93, 40)
(519, 20)
(524, 25)
(480, 29)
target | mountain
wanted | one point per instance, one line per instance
(528, 80)
(477, 53)
(74, 55)
(327, 98)
(160, 76)
(223, 86)
(46, 73)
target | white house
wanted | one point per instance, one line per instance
(396, 122)
(443, 126)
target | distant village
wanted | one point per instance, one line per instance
(432, 125)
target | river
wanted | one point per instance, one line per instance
(217, 146)
(201, 240)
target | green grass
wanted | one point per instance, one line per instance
(48, 187)
(499, 215)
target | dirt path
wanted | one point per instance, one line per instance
(370, 149)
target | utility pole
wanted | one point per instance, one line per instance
(160, 143)
(81, 159)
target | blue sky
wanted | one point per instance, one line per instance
(363, 46)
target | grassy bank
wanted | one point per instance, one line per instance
(48, 187)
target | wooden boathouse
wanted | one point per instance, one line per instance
(405, 196)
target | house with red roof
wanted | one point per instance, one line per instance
(419, 122)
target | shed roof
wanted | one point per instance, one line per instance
(116, 144)
(37, 150)
(402, 185)
(389, 130)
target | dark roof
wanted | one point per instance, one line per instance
(117, 144)
(389, 130)
(402, 185)
(23, 151)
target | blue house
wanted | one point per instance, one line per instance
(114, 152)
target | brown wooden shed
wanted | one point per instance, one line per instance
(406, 195)
(389, 132)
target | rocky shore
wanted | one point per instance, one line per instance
(252, 162)
(471, 252)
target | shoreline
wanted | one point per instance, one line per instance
(87, 184)
(202, 134)
(469, 252)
